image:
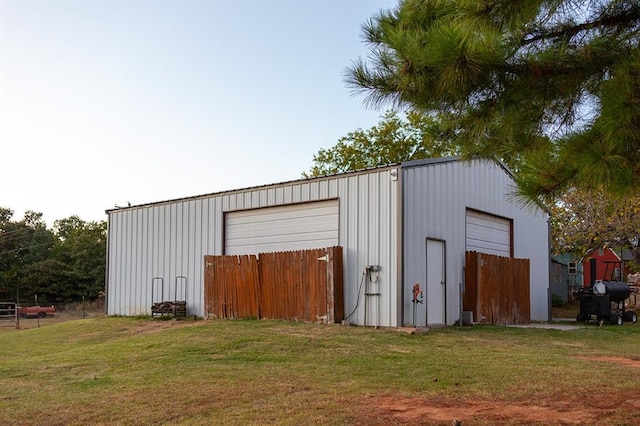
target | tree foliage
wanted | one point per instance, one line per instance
(550, 85)
(396, 138)
(22, 244)
(585, 220)
(60, 265)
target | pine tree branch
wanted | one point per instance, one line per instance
(625, 18)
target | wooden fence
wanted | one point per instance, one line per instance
(302, 285)
(231, 286)
(497, 289)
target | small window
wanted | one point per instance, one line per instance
(573, 268)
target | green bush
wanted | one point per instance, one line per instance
(556, 301)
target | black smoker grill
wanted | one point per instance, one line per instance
(604, 301)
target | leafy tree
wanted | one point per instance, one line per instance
(53, 281)
(396, 138)
(550, 85)
(5, 217)
(22, 243)
(59, 265)
(584, 220)
(82, 248)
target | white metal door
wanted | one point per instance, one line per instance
(436, 283)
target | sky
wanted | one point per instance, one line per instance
(110, 102)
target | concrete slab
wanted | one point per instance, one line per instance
(414, 330)
(548, 326)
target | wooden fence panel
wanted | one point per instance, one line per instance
(302, 285)
(335, 285)
(230, 284)
(497, 289)
(299, 286)
(470, 295)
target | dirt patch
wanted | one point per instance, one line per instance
(143, 326)
(570, 310)
(626, 362)
(570, 409)
(598, 406)
(154, 326)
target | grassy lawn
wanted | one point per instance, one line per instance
(141, 371)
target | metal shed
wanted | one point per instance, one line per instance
(451, 207)
(391, 221)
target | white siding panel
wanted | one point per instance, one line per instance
(284, 228)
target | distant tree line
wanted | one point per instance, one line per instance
(59, 265)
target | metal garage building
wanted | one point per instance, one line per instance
(408, 223)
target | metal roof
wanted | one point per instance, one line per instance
(405, 164)
(231, 191)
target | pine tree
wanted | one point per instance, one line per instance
(553, 86)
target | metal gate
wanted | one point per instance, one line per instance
(305, 285)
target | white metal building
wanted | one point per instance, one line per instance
(398, 225)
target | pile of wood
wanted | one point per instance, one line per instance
(176, 308)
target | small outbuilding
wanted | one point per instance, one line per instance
(605, 264)
(398, 226)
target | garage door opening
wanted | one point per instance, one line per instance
(487, 233)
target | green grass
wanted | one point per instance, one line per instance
(141, 371)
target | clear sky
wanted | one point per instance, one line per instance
(105, 102)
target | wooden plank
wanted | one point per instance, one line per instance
(470, 296)
(329, 294)
(252, 279)
(265, 281)
(208, 273)
(319, 286)
(336, 304)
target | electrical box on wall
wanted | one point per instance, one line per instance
(373, 268)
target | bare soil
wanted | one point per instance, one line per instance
(571, 409)
(566, 409)
(569, 310)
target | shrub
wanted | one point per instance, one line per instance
(556, 301)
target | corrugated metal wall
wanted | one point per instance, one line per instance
(436, 197)
(170, 239)
(165, 241)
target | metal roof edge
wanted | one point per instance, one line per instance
(453, 158)
(429, 161)
(231, 191)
